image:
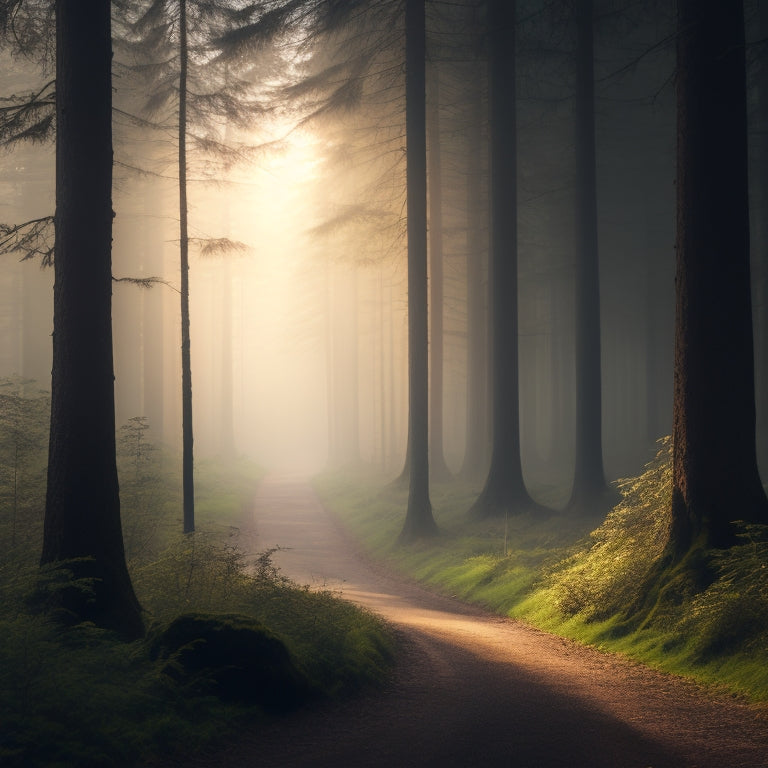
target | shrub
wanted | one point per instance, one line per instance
(603, 578)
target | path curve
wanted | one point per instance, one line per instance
(473, 689)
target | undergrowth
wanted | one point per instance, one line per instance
(78, 696)
(581, 580)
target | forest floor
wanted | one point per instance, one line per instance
(473, 689)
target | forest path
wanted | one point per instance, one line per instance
(473, 689)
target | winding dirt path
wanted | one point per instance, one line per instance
(472, 689)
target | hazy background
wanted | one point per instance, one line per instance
(299, 338)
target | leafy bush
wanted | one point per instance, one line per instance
(731, 615)
(603, 578)
(232, 657)
(78, 696)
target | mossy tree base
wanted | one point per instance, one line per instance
(675, 579)
(419, 521)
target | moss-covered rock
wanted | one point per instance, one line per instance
(232, 657)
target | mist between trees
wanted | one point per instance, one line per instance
(298, 279)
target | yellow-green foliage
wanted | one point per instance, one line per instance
(553, 572)
(732, 613)
(604, 577)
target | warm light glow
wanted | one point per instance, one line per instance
(279, 383)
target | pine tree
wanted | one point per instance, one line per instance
(82, 515)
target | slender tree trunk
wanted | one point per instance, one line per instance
(418, 520)
(504, 490)
(589, 478)
(330, 359)
(227, 444)
(352, 395)
(393, 378)
(437, 465)
(475, 461)
(152, 315)
(188, 483)
(82, 511)
(382, 382)
(715, 478)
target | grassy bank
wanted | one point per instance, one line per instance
(77, 696)
(580, 577)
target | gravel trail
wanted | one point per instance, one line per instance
(472, 689)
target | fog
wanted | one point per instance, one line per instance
(299, 344)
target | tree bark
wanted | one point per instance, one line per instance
(437, 466)
(187, 441)
(759, 248)
(589, 478)
(419, 521)
(715, 478)
(82, 511)
(475, 461)
(504, 490)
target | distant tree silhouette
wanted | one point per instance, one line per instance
(438, 467)
(82, 513)
(419, 521)
(475, 461)
(504, 491)
(589, 477)
(184, 55)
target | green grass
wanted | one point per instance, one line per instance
(78, 696)
(581, 578)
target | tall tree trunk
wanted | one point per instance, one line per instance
(437, 465)
(227, 445)
(330, 361)
(187, 471)
(504, 490)
(352, 359)
(589, 478)
(382, 382)
(152, 315)
(82, 510)
(475, 461)
(715, 476)
(759, 249)
(393, 379)
(418, 519)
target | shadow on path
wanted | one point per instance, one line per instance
(471, 689)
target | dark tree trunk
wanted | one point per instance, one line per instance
(715, 478)
(759, 249)
(475, 461)
(437, 466)
(187, 442)
(82, 512)
(419, 521)
(589, 478)
(504, 490)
